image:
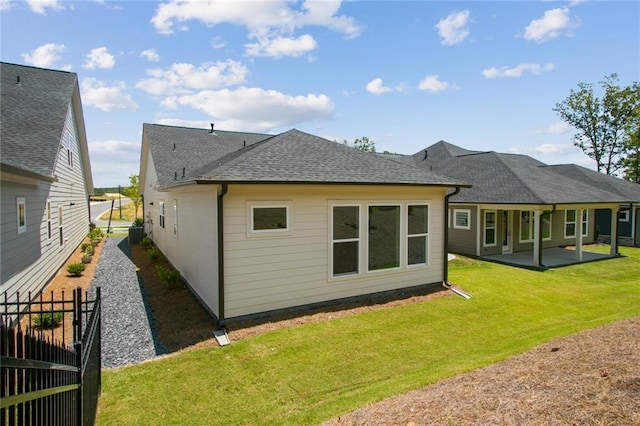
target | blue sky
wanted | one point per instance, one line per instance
(481, 75)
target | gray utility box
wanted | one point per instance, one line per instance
(135, 234)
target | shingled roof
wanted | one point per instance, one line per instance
(34, 105)
(499, 178)
(289, 157)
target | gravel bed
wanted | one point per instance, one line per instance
(128, 332)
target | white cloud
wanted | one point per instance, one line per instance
(99, 58)
(98, 94)
(113, 161)
(269, 22)
(5, 5)
(548, 149)
(41, 6)
(218, 42)
(555, 129)
(377, 87)
(281, 46)
(45, 55)
(194, 124)
(454, 28)
(182, 78)
(151, 55)
(551, 25)
(254, 109)
(433, 84)
(517, 71)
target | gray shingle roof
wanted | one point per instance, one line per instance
(518, 179)
(33, 116)
(290, 157)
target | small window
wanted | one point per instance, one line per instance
(490, 228)
(49, 220)
(623, 216)
(175, 218)
(60, 226)
(546, 226)
(161, 210)
(570, 223)
(526, 226)
(269, 218)
(461, 219)
(345, 238)
(69, 150)
(585, 223)
(21, 214)
(417, 234)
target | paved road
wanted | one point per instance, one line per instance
(98, 208)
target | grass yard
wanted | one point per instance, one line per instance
(128, 213)
(311, 373)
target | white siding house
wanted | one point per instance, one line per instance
(258, 224)
(45, 175)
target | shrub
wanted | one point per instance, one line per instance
(87, 248)
(96, 234)
(146, 242)
(138, 222)
(47, 320)
(75, 269)
(154, 253)
(170, 277)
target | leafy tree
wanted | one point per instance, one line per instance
(602, 124)
(364, 144)
(132, 192)
(631, 163)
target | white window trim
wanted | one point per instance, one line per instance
(175, 218)
(584, 223)
(69, 143)
(408, 236)
(61, 225)
(252, 205)
(161, 214)
(468, 213)
(21, 204)
(532, 231)
(623, 215)
(332, 241)
(550, 228)
(401, 239)
(485, 228)
(49, 217)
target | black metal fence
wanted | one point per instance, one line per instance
(45, 381)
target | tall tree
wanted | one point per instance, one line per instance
(133, 193)
(601, 123)
(364, 144)
(631, 163)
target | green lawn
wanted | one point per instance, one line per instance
(310, 373)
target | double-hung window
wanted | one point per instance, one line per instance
(417, 234)
(21, 214)
(571, 223)
(526, 226)
(69, 149)
(489, 228)
(60, 225)
(161, 213)
(49, 220)
(345, 236)
(175, 218)
(384, 237)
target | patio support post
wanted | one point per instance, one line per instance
(579, 214)
(614, 231)
(537, 238)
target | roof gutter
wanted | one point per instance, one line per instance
(445, 254)
(223, 192)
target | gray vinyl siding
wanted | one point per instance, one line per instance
(30, 259)
(463, 241)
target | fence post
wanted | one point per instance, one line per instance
(79, 402)
(77, 314)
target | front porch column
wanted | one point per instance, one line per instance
(537, 238)
(579, 214)
(614, 232)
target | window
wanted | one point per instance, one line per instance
(461, 219)
(546, 226)
(526, 226)
(269, 218)
(384, 237)
(21, 214)
(161, 209)
(175, 218)
(345, 240)
(69, 150)
(60, 226)
(490, 228)
(417, 234)
(49, 220)
(570, 224)
(623, 215)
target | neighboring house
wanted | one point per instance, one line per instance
(45, 175)
(518, 204)
(258, 223)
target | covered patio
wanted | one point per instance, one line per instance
(552, 257)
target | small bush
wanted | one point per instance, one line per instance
(96, 234)
(47, 320)
(154, 253)
(85, 246)
(146, 242)
(75, 269)
(170, 277)
(138, 222)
